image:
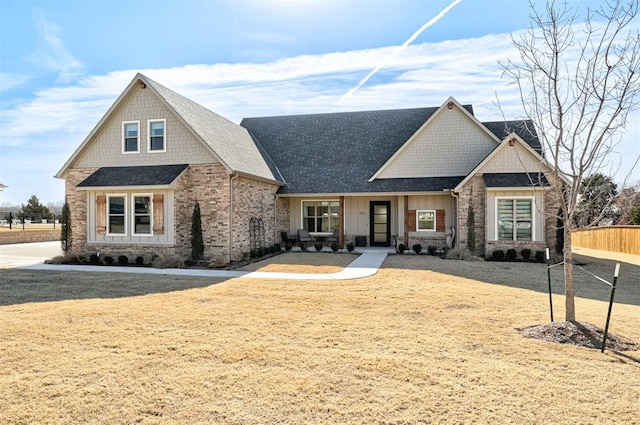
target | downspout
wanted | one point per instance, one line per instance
(231, 178)
(456, 239)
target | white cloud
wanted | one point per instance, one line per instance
(52, 53)
(56, 121)
(10, 81)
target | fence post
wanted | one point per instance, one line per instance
(10, 220)
(613, 292)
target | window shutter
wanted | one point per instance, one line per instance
(411, 220)
(440, 227)
(101, 214)
(158, 214)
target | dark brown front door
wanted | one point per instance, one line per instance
(380, 217)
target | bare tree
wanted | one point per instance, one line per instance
(578, 81)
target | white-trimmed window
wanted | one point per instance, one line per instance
(320, 216)
(142, 219)
(117, 215)
(157, 135)
(131, 137)
(426, 221)
(515, 219)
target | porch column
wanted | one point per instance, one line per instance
(406, 221)
(341, 216)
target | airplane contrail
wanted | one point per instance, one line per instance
(399, 48)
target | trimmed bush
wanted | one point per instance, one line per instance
(94, 258)
(431, 250)
(123, 260)
(261, 252)
(350, 247)
(139, 260)
(540, 256)
(525, 254)
(460, 254)
(335, 246)
(401, 248)
(288, 246)
(253, 253)
(318, 246)
(276, 247)
(498, 255)
(108, 259)
(165, 261)
(512, 255)
(417, 248)
(303, 247)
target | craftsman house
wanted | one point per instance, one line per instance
(377, 178)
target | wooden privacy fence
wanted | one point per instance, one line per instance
(624, 239)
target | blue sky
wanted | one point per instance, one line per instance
(63, 63)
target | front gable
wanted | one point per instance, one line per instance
(451, 143)
(104, 148)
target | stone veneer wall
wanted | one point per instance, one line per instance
(252, 198)
(77, 200)
(473, 193)
(209, 184)
(283, 217)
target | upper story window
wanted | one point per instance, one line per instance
(425, 220)
(515, 219)
(130, 136)
(157, 142)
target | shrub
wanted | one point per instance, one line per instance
(303, 247)
(512, 255)
(277, 247)
(197, 241)
(318, 246)
(108, 259)
(82, 258)
(123, 260)
(460, 254)
(417, 248)
(401, 248)
(525, 254)
(261, 252)
(167, 261)
(498, 255)
(94, 258)
(335, 246)
(350, 247)
(288, 246)
(540, 256)
(431, 250)
(65, 228)
(139, 260)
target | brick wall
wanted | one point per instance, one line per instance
(77, 200)
(25, 236)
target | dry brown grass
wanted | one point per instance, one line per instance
(302, 262)
(28, 227)
(404, 346)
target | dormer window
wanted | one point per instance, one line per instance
(130, 135)
(157, 136)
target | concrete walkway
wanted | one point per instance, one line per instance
(32, 255)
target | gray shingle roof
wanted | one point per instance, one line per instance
(232, 143)
(515, 180)
(152, 175)
(339, 152)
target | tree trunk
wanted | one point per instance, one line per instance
(569, 292)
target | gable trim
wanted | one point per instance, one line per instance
(448, 104)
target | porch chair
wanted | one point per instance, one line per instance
(304, 236)
(335, 236)
(287, 239)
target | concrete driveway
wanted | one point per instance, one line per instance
(27, 254)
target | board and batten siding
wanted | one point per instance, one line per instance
(182, 147)
(167, 237)
(538, 211)
(430, 202)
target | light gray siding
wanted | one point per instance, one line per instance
(182, 147)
